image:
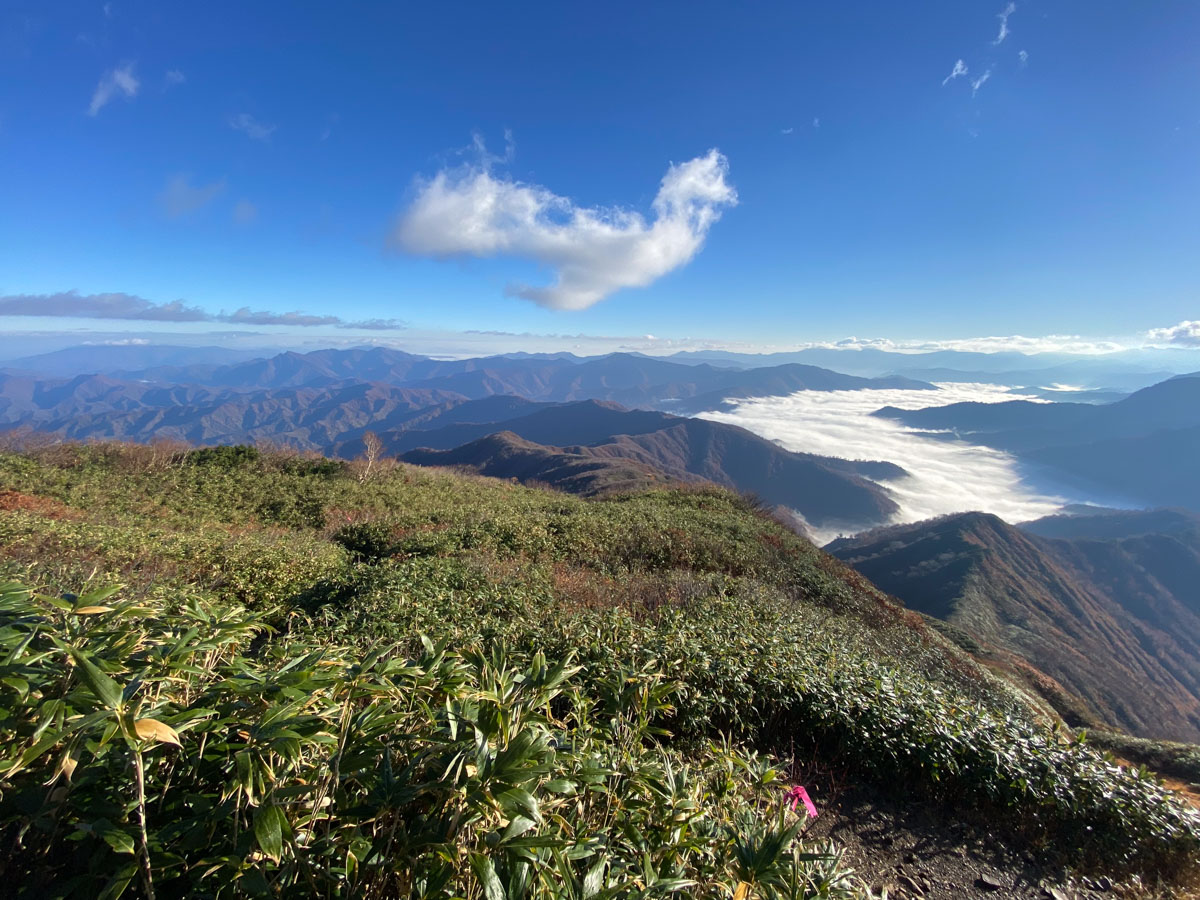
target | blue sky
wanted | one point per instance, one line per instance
(284, 158)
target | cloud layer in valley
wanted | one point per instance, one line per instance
(944, 476)
(593, 252)
(72, 304)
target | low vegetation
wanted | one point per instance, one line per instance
(243, 674)
(1169, 758)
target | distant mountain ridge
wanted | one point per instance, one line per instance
(1109, 615)
(107, 359)
(1125, 371)
(631, 379)
(1107, 524)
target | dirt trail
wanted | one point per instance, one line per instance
(915, 853)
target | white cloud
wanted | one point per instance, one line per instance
(944, 476)
(1185, 334)
(181, 197)
(1003, 17)
(174, 77)
(1015, 343)
(787, 130)
(960, 69)
(251, 127)
(816, 123)
(118, 82)
(980, 82)
(1023, 57)
(244, 212)
(593, 251)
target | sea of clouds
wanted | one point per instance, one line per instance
(945, 476)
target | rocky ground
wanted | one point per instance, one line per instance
(907, 852)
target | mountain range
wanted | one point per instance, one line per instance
(627, 378)
(1098, 613)
(1123, 371)
(327, 400)
(1095, 612)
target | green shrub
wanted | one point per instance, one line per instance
(320, 467)
(232, 456)
(299, 510)
(180, 763)
(371, 541)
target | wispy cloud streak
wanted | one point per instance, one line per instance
(1003, 17)
(118, 82)
(959, 70)
(129, 307)
(251, 127)
(181, 197)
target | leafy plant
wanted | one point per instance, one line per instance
(313, 770)
(367, 540)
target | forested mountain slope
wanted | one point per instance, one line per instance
(1114, 621)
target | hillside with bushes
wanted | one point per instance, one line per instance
(228, 673)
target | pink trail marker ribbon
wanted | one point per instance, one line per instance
(798, 795)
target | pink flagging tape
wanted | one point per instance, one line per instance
(798, 795)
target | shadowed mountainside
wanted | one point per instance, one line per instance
(826, 492)
(98, 407)
(1115, 622)
(506, 455)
